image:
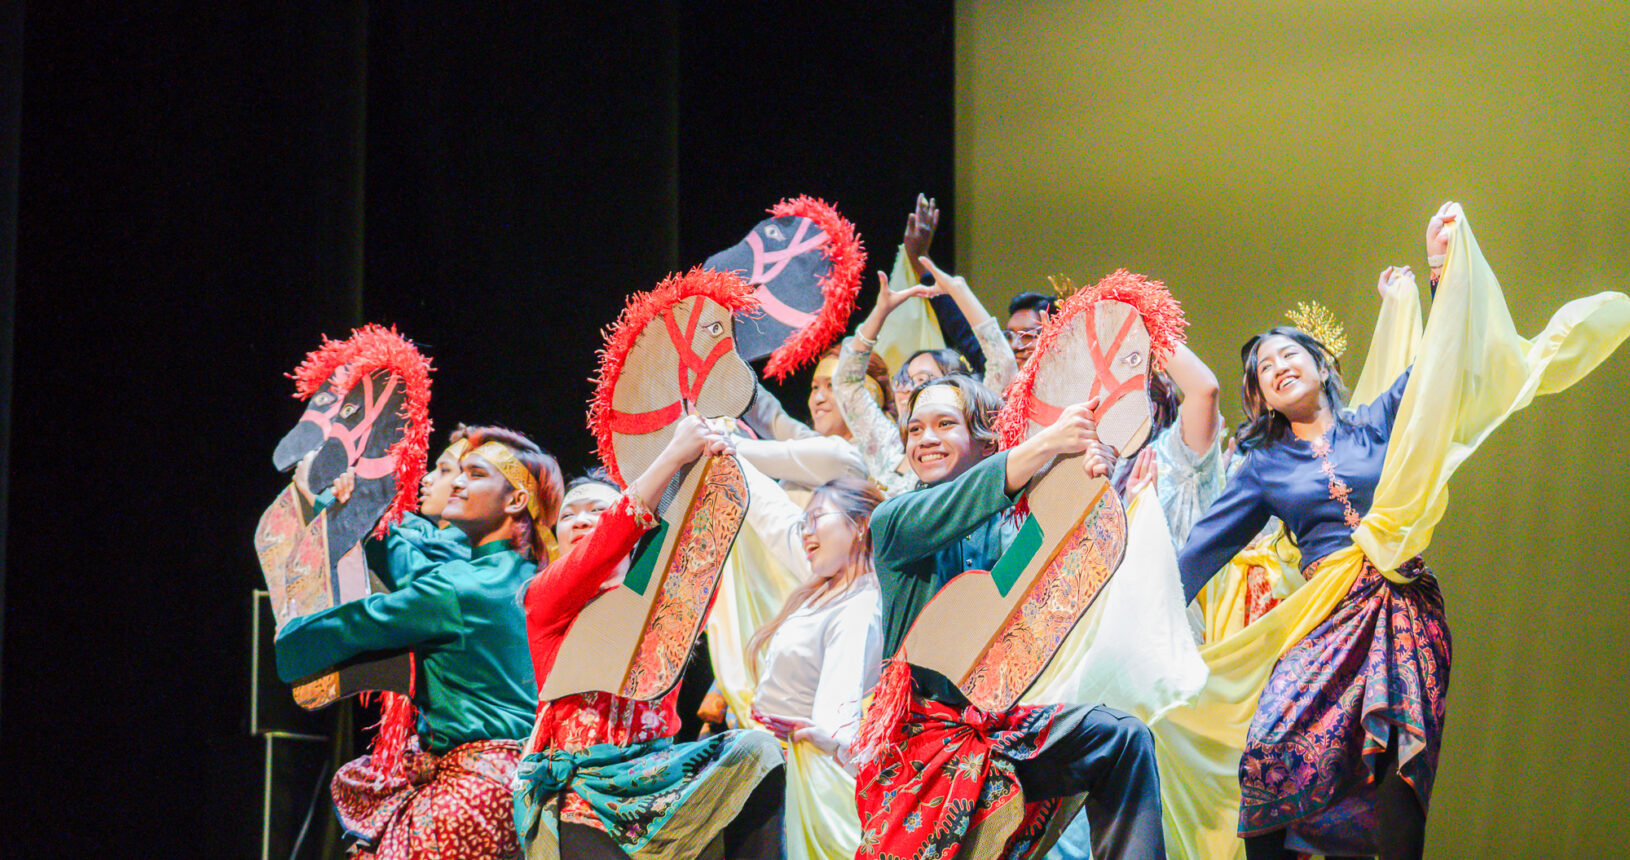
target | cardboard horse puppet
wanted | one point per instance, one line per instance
(671, 353)
(804, 263)
(366, 412)
(994, 633)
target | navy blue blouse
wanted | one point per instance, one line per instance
(1286, 479)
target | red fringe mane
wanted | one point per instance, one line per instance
(847, 256)
(726, 288)
(371, 348)
(1162, 317)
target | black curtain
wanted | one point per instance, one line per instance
(200, 194)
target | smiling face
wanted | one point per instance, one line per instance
(823, 409)
(1288, 377)
(1022, 329)
(939, 446)
(581, 511)
(482, 499)
(829, 538)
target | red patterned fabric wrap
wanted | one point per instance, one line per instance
(455, 806)
(575, 723)
(948, 773)
(1259, 599)
(1373, 677)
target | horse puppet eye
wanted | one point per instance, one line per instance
(322, 398)
(714, 329)
(348, 410)
(774, 232)
(1133, 359)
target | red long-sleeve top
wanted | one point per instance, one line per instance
(553, 600)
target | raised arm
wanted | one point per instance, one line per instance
(875, 434)
(1199, 417)
(811, 462)
(777, 520)
(1000, 365)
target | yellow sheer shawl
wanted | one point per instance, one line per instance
(1472, 370)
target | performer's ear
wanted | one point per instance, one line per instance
(516, 504)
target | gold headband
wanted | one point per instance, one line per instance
(941, 395)
(590, 490)
(457, 449)
(830, 363)
(513, 470)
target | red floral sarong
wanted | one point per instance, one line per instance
(947, 774)
(455, 806)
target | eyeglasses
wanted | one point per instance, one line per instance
(1022, 337)
(810, 521)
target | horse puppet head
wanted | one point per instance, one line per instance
(671, 352)
(367, 411)
(1101, 343)
(804, 263)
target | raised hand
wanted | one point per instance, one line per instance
(1439, 230)
(1394, 278)
(945, 280)
(920, 227)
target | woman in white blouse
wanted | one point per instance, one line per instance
(819, 657)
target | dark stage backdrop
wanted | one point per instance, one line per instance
(202, 193)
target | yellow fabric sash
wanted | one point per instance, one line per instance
(822, 822)
(1472, 371)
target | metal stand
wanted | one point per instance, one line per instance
(275, 720)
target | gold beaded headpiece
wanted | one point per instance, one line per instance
(1321, 325)
(457, 449)
(941, 395)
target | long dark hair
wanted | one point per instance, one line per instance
(856, 499)
(1264, 426)
(530, 540)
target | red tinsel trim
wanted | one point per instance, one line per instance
(369, 349)
(847, 257)
(1162, 317)
(726, 288)
(891, 704)
(397, 720)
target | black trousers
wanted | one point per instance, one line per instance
(1108, 755)
(754, 834)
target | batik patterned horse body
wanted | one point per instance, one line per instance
(365, 413)
(994, 633)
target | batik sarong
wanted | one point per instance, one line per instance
(1365, 691)
(453, 806)
(655, 799)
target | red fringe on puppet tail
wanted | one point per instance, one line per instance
(726, 288)
(1162, 317)
(891, 704)
(397, 721)
(369, 349)
(847, 256)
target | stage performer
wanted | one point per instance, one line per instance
(1341, 754)
(450, 794)
(427, 532)
(819, 656)
(876, 431)
(939, 777)
(602, 776)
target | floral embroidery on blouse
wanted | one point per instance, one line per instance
(1338, 488)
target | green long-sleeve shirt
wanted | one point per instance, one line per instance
(415, 544)
(464, 624)
(921, 539)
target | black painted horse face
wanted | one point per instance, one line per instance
(355, 431)
(785, 259)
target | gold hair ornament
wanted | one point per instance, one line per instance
(1320, 323)
(459, 448)
(513, 470)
